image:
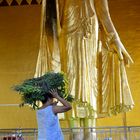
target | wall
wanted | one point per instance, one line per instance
(19, 44)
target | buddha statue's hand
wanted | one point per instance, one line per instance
(122, 53)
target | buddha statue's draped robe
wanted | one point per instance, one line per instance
(75, 41)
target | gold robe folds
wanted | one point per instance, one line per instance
(73, 40)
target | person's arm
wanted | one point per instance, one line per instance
(60, 109)
(103, 14)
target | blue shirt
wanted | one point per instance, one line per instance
(48, 125)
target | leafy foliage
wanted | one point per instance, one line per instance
(32, 90)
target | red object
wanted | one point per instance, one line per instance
(9, 138)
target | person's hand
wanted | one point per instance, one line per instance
(55, 103)
(122, 53)
(54, 93)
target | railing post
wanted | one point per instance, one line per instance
(129, 130)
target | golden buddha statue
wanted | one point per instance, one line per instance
(79, 38)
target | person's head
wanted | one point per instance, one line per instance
(47, 98)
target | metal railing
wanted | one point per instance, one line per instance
(93, 133)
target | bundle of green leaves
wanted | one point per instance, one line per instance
(33, 90)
